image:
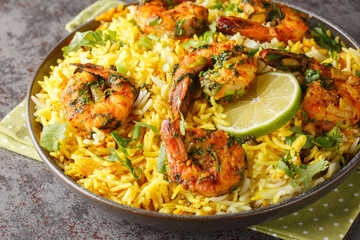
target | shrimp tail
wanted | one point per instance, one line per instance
(172, 141)
(251, 29)
(284, 60)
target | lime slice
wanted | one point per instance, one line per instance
(269, 103)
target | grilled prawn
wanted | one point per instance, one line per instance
(226, 73)
(207, 162)
(183, 20)
(97, 97)
(286, 24)
(331, 96)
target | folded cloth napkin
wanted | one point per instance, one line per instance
(327, 218)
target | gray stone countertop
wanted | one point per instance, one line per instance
(33, 203)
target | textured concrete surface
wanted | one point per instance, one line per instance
(33, 204)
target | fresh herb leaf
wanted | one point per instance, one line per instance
(51, 135)
(145, 42)
(90, 39)
(161, 162)
(309, 142)
(219, 5)
(151, 127)
(273, 56)
(169, 3)
(357, 73)
(252, 52)
(301, 174)
(323, 141)
(232, 7)
(136, 172)
(311, 75)
(121, 141)
(136, 133)
(121, 68)
(324, 40)
(204, 39)
(198, 62)
(154, 21)
(179, 30)
(218, 164)
(335, 136)
(153, 37)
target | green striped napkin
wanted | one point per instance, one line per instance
(328, 218)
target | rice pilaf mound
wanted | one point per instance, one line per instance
(83, 158)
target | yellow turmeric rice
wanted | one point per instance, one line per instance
(83, 158)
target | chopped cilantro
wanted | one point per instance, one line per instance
(301, 174)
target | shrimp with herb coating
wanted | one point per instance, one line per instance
(331, 95)
(224, 72)
(285, 23)
(97, 97)
(207, 162)
(183, 20)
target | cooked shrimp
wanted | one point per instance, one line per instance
(184, 20)
(97, 97)
(333, 97)
(206, 162)
(290, 25)
(232, 74)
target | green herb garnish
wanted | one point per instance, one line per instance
(301, 174)
(90, 39)
(145, 42)
(179, 31)
(155, 21)
(324, 40)
(121, 68)
(311, 75)
(161, 162)
(51, 135)
(151, 127)
(123, 146)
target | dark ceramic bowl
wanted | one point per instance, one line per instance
(181, 222)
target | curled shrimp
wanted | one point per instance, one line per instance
(333, 97)
(206, 162)
(286, 24)
(97, 97)
(184, 20)
(232, 73)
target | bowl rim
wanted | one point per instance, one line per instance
(318, 191)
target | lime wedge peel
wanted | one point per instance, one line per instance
(270, 103)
